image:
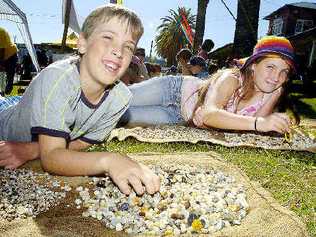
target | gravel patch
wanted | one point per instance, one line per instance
(191, 200)
(24, 193)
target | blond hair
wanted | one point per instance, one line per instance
(106, 13)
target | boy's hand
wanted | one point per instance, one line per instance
(15, 154)
(125, 173)
(278, 122)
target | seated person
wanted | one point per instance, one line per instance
(183, 58)
(197, 67)
(236, 98)
(132, 74)
(140, 53)
(153, 69)
(205, 49)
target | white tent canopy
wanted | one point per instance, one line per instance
(9, 11)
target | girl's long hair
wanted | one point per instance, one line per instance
(245, 91)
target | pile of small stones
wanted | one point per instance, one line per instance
(191, 200)
(298, 140)
(178, 133)
(22, 195)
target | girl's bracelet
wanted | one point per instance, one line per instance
(255, 124)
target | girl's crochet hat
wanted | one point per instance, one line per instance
(272, 45)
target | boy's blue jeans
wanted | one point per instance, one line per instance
(155, 101)
(6, 102)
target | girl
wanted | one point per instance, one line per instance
(239, 99)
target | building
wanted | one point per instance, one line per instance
(297, 22)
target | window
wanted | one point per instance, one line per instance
(303, 25)
(277, 26)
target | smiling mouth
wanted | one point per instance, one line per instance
(111, 67)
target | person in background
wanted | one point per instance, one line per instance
(183, 58)
(206, 47)
(132, 74)
(8, 58)
(154, 69)
(140, 53)
(197, 67)
(76, 102)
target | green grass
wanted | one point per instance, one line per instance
(290, 176)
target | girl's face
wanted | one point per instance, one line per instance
(270, 74)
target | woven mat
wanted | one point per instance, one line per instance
(265, 218)
(301, 141)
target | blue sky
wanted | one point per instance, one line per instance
(45, 25)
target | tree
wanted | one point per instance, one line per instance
(200, 24)
(246, 31)
(171, 38)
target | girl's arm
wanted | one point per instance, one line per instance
(270, 104)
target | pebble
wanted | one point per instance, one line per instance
(22, 195)
(191, 200)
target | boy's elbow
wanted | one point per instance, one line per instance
(45, 164)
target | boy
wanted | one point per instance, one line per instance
(205, 49)
(183, 58)
(197, 67)
(76, 102)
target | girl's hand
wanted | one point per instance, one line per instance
(198, 118)
(278, 122)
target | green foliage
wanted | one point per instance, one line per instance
(170, 38)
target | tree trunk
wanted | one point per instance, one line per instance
(67, 14)
(246, 31)
(200, 24)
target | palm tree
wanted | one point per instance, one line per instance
(170, 38)
(200, 24)
(246, 31)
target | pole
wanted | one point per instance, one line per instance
(67, 14)
(151, 48)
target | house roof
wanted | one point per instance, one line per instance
(308, 5)
(305, 34)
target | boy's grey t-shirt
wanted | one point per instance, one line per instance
(55, 105)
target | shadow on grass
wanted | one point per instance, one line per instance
(304, 109)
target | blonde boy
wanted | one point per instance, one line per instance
(76, 102)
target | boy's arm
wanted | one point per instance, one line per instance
(15, 154)
(123, 171)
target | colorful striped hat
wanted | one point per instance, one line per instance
(272, 45)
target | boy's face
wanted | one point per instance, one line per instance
(107, 52)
